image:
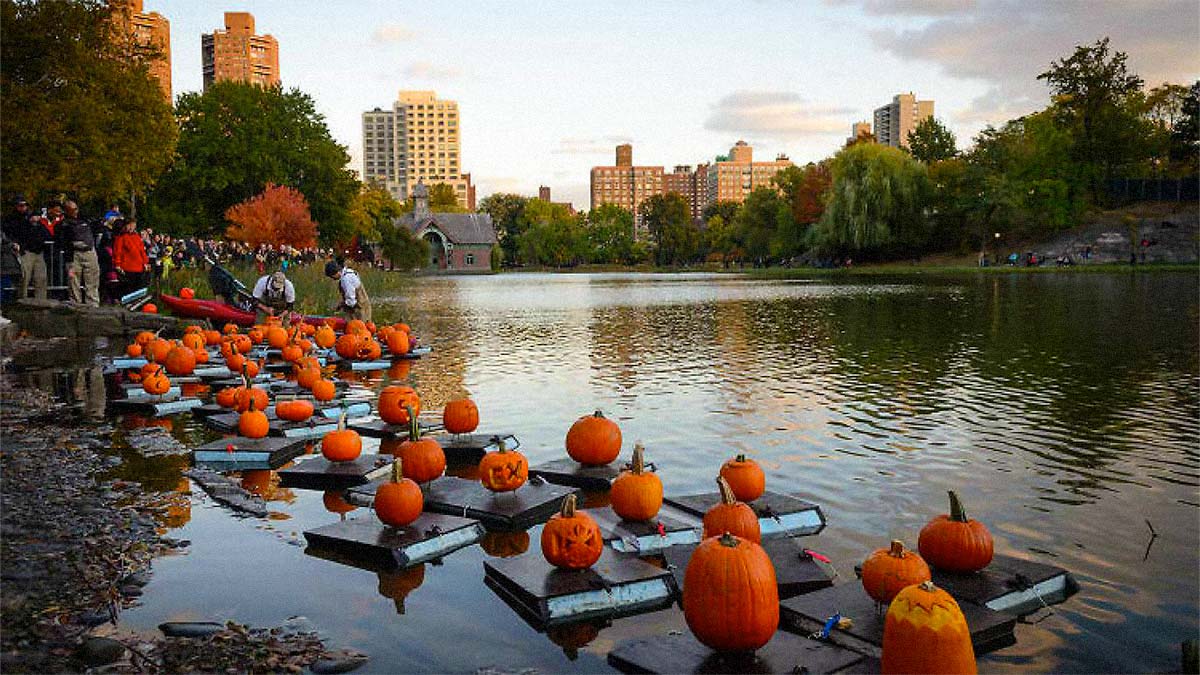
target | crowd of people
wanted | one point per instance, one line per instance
(101, 260)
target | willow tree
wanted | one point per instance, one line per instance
(876, 201)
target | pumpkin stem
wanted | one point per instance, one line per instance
(342, 420)
(727, 496)
(927, 586)
(598, 414)
(414, 429)
(729, 540)
(897, 549)
(500, 445)
(639, 462)
(568, 507)
(740, 458)
(397, 471)
(957, 513)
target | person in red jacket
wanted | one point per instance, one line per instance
(129, 257)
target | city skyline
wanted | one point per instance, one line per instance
(549, 90)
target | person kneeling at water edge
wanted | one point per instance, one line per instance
(355, 303)
(274, 294)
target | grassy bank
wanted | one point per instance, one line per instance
(315, 293)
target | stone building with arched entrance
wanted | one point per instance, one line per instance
(458, 242)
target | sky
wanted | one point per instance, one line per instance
(546, 90)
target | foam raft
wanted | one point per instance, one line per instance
(369, 544)
(533, 503)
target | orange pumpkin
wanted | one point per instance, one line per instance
(229, 328)
(503, 470)
(594, 440)
(277, 337)
(731, 516)
(150, 308)
(253, 423)
(399, 501)
(158, 349)
(156, 382)
(730, 597)
(235, 362)
(461, 416)
(571, 539)
(292, 352)
(335, 503)
(133, 350)
(187, 293)
(180, 361)
(193, 341)
(357, 326)
(212, 338)
(371, 350)
(256, 334)
(144, 337)
(201, 356)
(396, 401)
(243, 343)
(325, 337)
(295, 410)
(324, 390)
(889, 570)
(248, 395)
(955, 543)
(227, 397)
(250, 368)
(925, 632)
(637, 494)
(397, 342)
(308, 376)
(348, 345)
(397, 585)
(745, 476)
(342, 444)
(423, 458)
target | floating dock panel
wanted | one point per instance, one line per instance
(567, 471)
(778, 515)
(367, 543)
(379, 429)
(804, 614)
(529, 505)
(643, 538)
(785, 654)
(796, 572)
(319, 473)
(238, 452)
(1010, 585)
(464, 448)
(138, 395)
(616, 585)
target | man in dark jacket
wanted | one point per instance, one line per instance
(28, 236)
(79, 243)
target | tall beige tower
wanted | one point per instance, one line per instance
(238, 53)
(418, 140)
(894, 121)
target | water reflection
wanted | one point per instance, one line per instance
(397, 585)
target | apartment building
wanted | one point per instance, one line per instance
(417, 140)
(239, 54)
(736, 176)
(149, 30)
(894, 121)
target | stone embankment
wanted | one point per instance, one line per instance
(1171, 236)
(51, 318)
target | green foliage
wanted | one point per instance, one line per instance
(931, 141)
(234, 139)
(550, 235)
(764, 227)
(372, 212)
(805, 188)
(610, 235)
(724, 208)
(507, 212)
(876, 203)
(669, 222)
(719, 241)
(404, 250)
(79, 113)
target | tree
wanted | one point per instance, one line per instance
(669, 221)
(764, 226)
(234, 139)
(80, 114)
(279, 215)
(876, 202)
(372, 212)
(404, 250)
(507, 211)
(931, 141)
(805, 189)
(719, 240)
(1100, 101)
(726, 208)
(551, 235)
(1185, 136)
(610, 234)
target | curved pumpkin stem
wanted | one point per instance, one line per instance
(568, 507)
(397, 471)
(957, 513)
(727, 496)
(638, 465)
(897, 550)
(414, 429)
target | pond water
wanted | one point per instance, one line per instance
(1063, 408)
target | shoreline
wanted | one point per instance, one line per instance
(882, 269)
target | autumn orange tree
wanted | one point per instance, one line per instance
(277, 215)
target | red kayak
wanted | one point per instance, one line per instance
(221, 313)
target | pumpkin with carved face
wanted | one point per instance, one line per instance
(571, 539)
(503, 470)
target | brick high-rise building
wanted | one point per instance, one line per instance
(691, 185)
(238, 53)
(417, 140)
(739, 175)
(626, 185)
(147, 30)
(544, 193)
(894, 121)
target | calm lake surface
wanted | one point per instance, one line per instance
(1063, 408)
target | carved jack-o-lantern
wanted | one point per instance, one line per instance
(503, 470)
(572, 539)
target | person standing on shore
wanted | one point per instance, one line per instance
(355, 304)
(79, 244)
(29, 235)
(129, 257)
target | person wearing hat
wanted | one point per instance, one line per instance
(28, 236)
(79, 243)
(274, 294)
(355, 303)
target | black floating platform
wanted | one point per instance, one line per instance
(162, 408)
(461, 448)
(525, 507)
(646, 537)
(313, 427)
(379, 429)
(567, 471)
(369, 544)
(778, 515)
(785, 654)
(319, 473)
(990, 630)
(208, 410)
(1010, 585)
(796, 571)
(617, 585)
(222, 421)
(271, 452)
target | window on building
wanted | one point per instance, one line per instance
(470, 259)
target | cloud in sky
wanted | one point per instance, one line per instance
(589, 146)
(776, 115)
(392, 32)
(425, 70)
(912, 7)
(1006, 44)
